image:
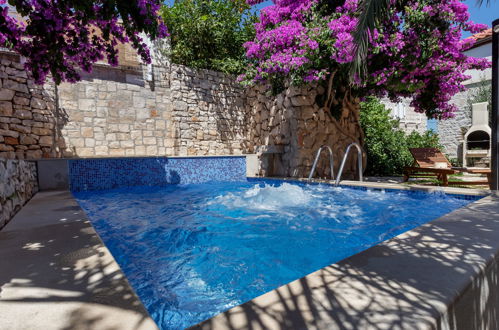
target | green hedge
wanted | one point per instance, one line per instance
(386, 145)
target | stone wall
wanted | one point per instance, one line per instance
(28, 116)
(409, 120)
(125, 111)
(167, 110)
(288, 129)
(116, 112)
(18, 184)
(451, 131)
(209, 114)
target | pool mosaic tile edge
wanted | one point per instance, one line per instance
(106, 173)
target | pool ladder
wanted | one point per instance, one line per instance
(359, 162)
(317, 156)
(343, 162)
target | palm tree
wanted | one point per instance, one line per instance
(371, 13)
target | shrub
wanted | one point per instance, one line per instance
(209, 34)
(386, 145)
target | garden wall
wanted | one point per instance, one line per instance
(166, 110)
(28, 116)
(18, 183)
(125, 111)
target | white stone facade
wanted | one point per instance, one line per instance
(409, 120)
(452, 131)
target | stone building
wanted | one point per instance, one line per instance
(409, 120)
(452, 131)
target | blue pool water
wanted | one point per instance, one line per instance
(193, 251)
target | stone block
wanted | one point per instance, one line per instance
(101, 150)
(41, 131)
(77, 142)
(46, 141)
(15, 86)
(151, 150)
(34, 154)
(5, 108)
(86, 104)
(20, 128)
(149, 140)
(140, 151)
(6, 94)
(180, 106)
(23, 114)
(38, 103)
(27, 140)
(127, 144)
(10, 140)
(116, 152)
(85, 152)
(90, 143)
(4, 147)
(9, 133)
(87, 132)
(134, 134)
(21, 100)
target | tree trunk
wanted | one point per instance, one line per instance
(287, 130)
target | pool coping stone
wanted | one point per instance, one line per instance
(57, 274)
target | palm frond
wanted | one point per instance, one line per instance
(479, 3)
(371, 13)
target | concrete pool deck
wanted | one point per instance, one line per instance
(55, 273)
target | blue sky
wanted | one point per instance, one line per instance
(484, 14)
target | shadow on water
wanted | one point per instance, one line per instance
(418, 280)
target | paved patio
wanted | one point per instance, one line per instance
(57, 274)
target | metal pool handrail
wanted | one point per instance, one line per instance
(331, 161)
(359, 161)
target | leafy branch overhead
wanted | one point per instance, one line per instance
(63, 37)
(209, 34)
(412, 48)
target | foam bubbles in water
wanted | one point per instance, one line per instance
(270, 198)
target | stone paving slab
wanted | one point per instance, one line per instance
(55, 272)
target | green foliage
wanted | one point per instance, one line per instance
(209, 34)
(386, 145)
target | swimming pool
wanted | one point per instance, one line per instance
(192, 251)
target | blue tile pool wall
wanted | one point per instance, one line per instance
(101, 174)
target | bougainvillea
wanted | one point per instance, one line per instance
(417, 52)
(64, 37)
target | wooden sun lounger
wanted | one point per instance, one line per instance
(431, 162)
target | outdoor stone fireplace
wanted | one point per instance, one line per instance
(476, 144)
